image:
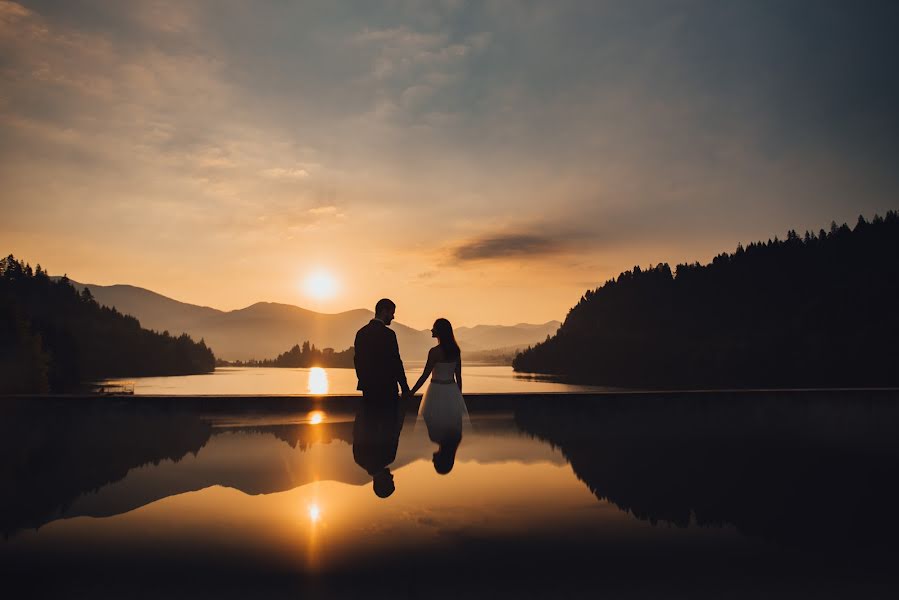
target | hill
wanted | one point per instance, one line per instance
(53, 338)
(816, 311)
(263, 330)
(502, 338)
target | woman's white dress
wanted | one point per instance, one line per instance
(443, 407)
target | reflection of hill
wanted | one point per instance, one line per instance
(803, 469)
(272, 458)
(106, 458)
(52, 453)
(251, 460)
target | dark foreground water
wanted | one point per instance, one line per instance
(686, 495)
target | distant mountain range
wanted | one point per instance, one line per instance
(266, 329)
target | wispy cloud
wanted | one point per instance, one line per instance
(507, 246)
(282, 173)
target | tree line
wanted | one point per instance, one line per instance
(818, 310)
(53, 338)
(306, 356)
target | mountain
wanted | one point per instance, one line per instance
(55, 338)
(504, 337)
(266, 329)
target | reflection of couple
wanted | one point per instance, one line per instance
(379, 369)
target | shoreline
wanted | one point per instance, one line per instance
(476, 402)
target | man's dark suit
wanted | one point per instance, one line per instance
(379, 367)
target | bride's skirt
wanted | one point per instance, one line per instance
(444, 412)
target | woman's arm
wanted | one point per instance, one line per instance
(429, 366)
(459, 373)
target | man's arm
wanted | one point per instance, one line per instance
(400, 372)
(360, 360)
(356, 354)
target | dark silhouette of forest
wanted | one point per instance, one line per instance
(306, 355)
(52, 461)
(809, 469)
(811, 311)
(53, 338)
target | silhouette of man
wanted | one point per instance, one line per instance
(379, 367)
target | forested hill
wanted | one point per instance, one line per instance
(52, 338)
(301, 357)
(812, 311)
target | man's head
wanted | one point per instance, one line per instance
(384, 310)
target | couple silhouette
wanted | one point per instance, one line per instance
(385, 391)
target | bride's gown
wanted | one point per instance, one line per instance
(443, 407)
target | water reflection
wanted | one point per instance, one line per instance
(444, 429)
(318, 381)
(734, 480)
(376, 436)
(264, 381)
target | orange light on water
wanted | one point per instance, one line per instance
(318, 381)
(317, 417)
(315, 513)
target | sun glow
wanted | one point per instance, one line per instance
(314, 513)
(316, 417)
(318, 381)
(320, 285)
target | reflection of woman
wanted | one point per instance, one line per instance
(445, 456)
(443, 407)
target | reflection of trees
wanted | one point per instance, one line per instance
(53, 453)
(801, 468)
(303, 436)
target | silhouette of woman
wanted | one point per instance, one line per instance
(443, 407)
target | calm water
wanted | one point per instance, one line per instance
(788, 495)
(478, 379)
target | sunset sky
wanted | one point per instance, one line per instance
(483, 161)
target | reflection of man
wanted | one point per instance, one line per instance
(376, 436)
(379, 367)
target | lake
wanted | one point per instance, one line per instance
(622, 495)
(476, 378)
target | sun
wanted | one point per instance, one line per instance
(320, 285)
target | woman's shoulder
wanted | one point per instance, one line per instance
(438, 355)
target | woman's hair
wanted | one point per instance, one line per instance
(444, 331)
(445, 457)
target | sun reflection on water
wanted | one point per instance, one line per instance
(318, 381)
(316, 417)
(315, 513)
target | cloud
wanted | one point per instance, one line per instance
(12, 11)
(443, 132)
(325, 210)
(282, 173)
(507, 246)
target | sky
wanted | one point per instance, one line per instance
(485, 161)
